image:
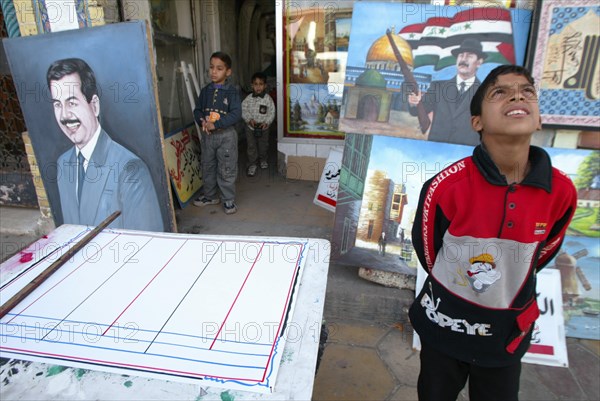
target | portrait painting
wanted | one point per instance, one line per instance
(413, 70)
(89, 99)
(564, 58)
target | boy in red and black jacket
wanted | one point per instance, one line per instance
(484, 227)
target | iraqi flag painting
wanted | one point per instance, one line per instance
(432, 41)
(412, 69)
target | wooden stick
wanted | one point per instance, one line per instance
(43, 276)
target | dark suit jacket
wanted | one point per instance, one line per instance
(451, 112)
(116, 179)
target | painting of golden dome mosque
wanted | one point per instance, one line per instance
(373, 97)
(403, 73)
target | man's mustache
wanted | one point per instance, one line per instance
(65, 121)
(463, 64)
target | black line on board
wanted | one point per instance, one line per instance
(183, 298)
(97, 288)
(69, 242)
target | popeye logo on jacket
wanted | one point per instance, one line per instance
(482, 273)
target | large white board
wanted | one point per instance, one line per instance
(175, 306)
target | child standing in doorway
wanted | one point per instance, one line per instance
(484, 227)
(218, 109)
(258, 111)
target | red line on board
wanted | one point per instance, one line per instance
(146, 286)
(129, 365)
(285, 308)
(324, 199)
(237, 296)
(541, 349)
(63, 279)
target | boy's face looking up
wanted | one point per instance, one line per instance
(219, 71)
(510, 107)
(258, 86)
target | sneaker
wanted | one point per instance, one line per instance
(264, 165)
(229, 207)
(204, 201)
(251, 172)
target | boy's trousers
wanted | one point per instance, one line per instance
(219, 163)
(443, 377)
(257, 146)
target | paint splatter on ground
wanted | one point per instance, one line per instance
(287, 356)
(201, 395)
(128, 383)
(54, 370)
(226, 396)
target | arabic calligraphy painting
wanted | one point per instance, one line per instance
(565, 61)
(182, 152)
(401, 73)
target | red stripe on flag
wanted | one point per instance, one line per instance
(490, 14)
(413, 28)
(324, 199)
(508, 51)
(541, 349)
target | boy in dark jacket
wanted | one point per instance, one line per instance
(218, 110)
(484, 227)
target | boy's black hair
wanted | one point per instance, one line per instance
(259, 75)
(491, 79)
(224, 57)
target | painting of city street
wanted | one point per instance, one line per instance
(380, 181)
(579, 258)
(379, 186)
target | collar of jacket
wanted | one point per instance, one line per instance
(540, 173)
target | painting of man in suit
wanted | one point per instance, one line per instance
(405, 71)
(447, 102)
(92, 116)
(98, 175)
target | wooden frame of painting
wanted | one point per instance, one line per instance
(54, 16)
(314, 67)
(563, 56)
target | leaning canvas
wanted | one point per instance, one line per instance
(90, 105)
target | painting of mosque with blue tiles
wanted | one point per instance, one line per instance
(402, 67)
(565, 61)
